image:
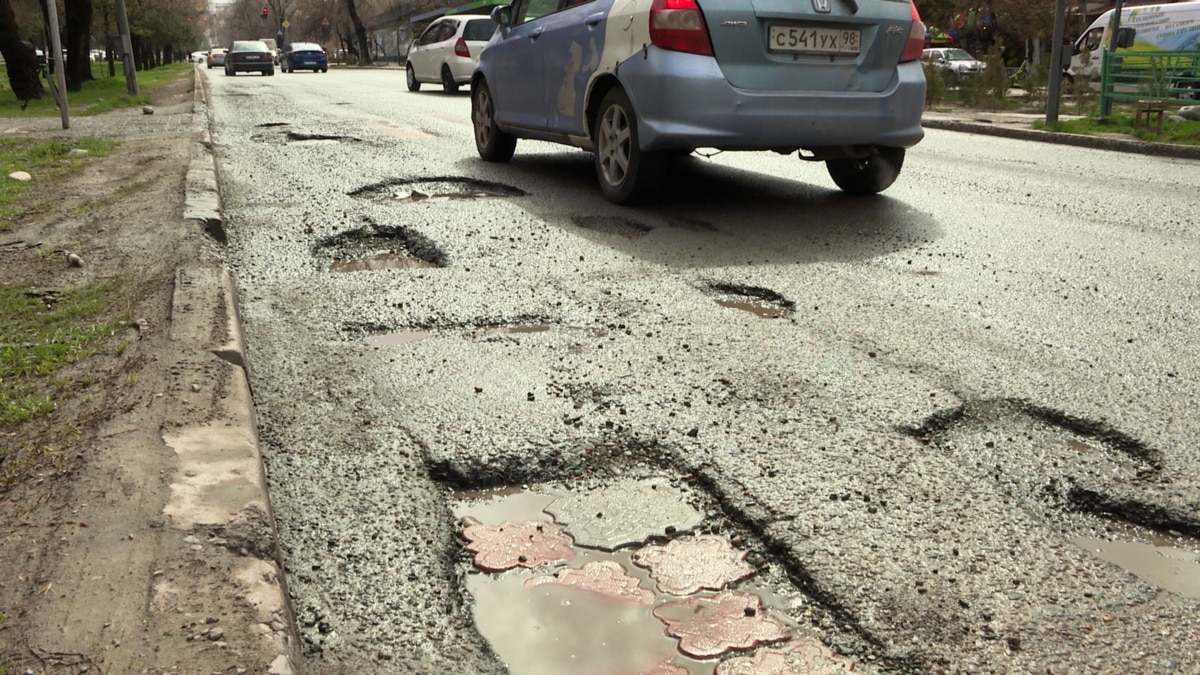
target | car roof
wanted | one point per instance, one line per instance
(250, 46)
(305, 45)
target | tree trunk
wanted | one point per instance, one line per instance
(360, 33)
(78, 43)
(19, 57)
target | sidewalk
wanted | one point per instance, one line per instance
(1020, 126)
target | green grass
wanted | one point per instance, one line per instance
(99, 95)
(44, 160)
(1121, 122)
(37, 339)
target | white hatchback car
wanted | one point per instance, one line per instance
(448, 50)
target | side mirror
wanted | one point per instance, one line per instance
(1066, 56)
(502, 15)
(1125, 37)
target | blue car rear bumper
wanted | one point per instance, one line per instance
(684, 100)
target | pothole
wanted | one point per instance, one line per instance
(692, 224)
(406, 191)
(281, 133)
(396, 338)
(762, 302)
(378, 247)
(625, 577)
(1104, 484)
(624, 227)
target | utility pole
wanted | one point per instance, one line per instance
(1054, 91)
(60, 76)
(1115, 27)
(127, 64)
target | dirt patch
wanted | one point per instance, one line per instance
(95, 578)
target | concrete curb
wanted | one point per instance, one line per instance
(1020, 132)
(222, 483)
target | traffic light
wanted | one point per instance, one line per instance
(264, 12)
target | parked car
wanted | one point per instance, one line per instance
(274, 47)
(216, 57)
(447, 51)
(305, 56)
(953, 59)
(249, 56)
(639, 84)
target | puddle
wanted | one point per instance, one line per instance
(758, 310)
(552, 629)
(528, 328)
(396, 339)
(624, 227)
(1170, 568)
(379, 261)
(759, 301)
(435, 189)
(596, 611)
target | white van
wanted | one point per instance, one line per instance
(1173, 28)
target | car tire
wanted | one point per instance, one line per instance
(411, 76)
(867, 176)
(270, 72)
(627, 175)
(324, 70)
(448, 84)
(493, 144)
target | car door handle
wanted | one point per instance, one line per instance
(594, 20)
(536, 34)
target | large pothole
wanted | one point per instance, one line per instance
(762, 302)
(378, 247)
(442, 188)
(633, 575)
(282, 133)
(1058, 466)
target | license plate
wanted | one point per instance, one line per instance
(807, 40)
(251, 58)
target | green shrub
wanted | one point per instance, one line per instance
(935, 86)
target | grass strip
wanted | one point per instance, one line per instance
(99, 95)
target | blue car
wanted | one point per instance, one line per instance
(638, 82)
(304, 56)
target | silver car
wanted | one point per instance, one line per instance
(640, 81)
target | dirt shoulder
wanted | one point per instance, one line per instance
(136, 534)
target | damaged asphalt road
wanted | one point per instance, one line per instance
(920, 414)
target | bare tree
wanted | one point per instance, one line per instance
(360, 33)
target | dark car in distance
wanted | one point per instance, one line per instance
(304, 56)
(249, 56)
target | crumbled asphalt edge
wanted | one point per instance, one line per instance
(1072, 497)
(361, 329)
(1060, 138)
(258, 534)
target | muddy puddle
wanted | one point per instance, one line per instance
(676, 602)
(397, 339)
(763, 311)
(1171, 568)
(380, 261)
